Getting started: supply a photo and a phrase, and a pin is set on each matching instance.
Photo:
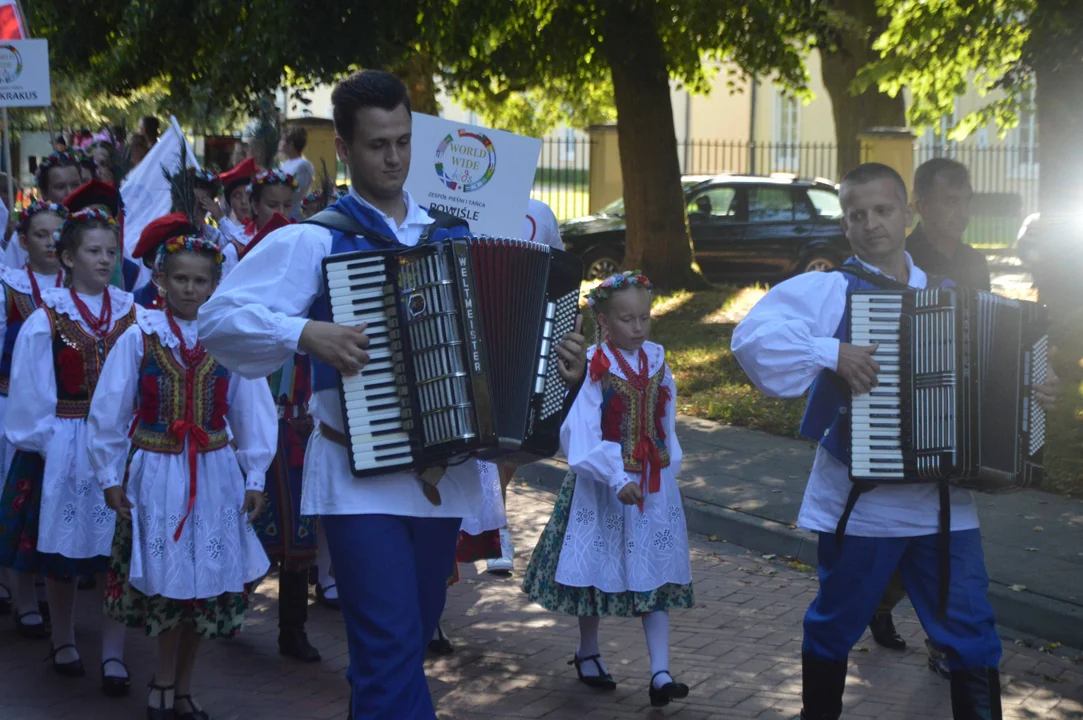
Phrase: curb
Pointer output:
(1021, 611)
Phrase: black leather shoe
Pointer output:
(116, 687)
(441, 644)
(294, 644)
(32, 631)
(975, 694)
(197, 713)
(162, 711)
(884, 633)
(822, 685)
(938, 661)
(660, 697)
(69, 669)
(602, 681)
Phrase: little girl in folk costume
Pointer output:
(184, 549)
(616, 544)
(21, 296)
(59, 523)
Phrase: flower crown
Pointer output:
(273, 177)
(83, 217)
(35, 208)
(620, 281)
(188, 243)
(204, 176)
(56, 159)
(85, 159)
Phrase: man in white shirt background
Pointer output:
(295, 163)
(392, 547)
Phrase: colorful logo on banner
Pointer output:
(11, 64)
(465, 163)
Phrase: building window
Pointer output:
(786, 158)
(1023, 143)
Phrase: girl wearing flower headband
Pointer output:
(271, 192)
(184, 547)
(56, 522)
(21, 296)
(616, 544)
(57, 177)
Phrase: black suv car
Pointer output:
(743, 228)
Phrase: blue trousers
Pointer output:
(391, 574)
(853, 578)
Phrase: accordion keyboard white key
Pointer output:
(376, 421)
(876, 420)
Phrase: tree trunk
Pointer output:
(658, 241)
(417, 73)
(859, 25)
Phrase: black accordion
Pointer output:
(462, 346)
(954, 401)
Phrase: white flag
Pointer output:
(145, 191)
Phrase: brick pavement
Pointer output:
(738, 649)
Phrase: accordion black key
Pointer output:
(954, 399)
(463, 337)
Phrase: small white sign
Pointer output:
(24, 73)
(481, 175)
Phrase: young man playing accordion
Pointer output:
(797, 334)
(391, 546)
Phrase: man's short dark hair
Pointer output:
(954, 172)
(297, 137)
(365, 88)
(871, 172)
(151, 126)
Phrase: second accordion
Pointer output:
(954, 400)
(462, 346)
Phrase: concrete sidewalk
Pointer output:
(746, 487)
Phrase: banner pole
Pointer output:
(10, 165)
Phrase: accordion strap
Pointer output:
(881, 281)
(334, 220)
(858, 489)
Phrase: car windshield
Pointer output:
(616, 208)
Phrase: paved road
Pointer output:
(738, 649)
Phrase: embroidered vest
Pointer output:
(19, 306)
(825, 418)
(624, 417)
(164, 399)
(77, 360)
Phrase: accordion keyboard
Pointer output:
(876, 422)
(377, 414)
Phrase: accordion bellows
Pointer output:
(954, 400)
(463, 361)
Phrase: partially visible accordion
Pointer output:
(463, 361)
(954, 400)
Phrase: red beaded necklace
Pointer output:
(98, 325)
(638, 380)
(34, 290)
(191, 356)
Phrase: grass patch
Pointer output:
(696, 328)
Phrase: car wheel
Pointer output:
(600, 265)
(819, 263)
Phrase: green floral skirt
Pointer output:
(541, 586)
(222, 616)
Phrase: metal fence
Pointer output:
(562, 180)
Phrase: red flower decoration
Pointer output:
(599, 365)
(217, 421)
(72, 375)
(149, 399)
(613, 418)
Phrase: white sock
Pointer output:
(323, 560)
(113, 647)
(26, 598)
(62, 610)
(656, 628)
(588, 645)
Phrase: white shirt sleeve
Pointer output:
(669, 424)
(254, 320)
(254, 421)
(541, 225)
(231, 230)
(581, 439)
(112, 408)
(787, 338)
(33, 387)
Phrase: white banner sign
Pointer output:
(24, 73)
(483, 176)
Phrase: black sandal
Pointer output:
(602, 681)
(321, 597)
(5, 602)
(69, 669)
(660, 697)
(197, 712)
(32, 631)
(116, 687)
(161, 712)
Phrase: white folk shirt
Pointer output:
(783, 344)
(541, 225)
(252, 325)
